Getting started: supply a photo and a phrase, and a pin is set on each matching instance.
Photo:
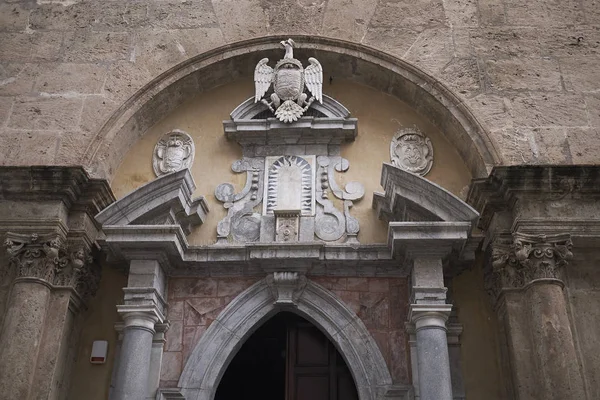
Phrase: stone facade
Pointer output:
(430, 288)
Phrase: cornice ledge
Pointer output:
(501, 189)
(71, 185)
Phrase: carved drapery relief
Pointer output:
(412, 151)
(294, 183)
(173, 152)
(46, 257)
(516, 263)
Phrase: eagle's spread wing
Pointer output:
(313, 77)
(263, 76)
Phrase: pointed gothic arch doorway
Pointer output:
(287, 358)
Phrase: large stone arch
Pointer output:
(343, 59)
(246, 313)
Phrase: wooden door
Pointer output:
(315, 369)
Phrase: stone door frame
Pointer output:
(250, 309)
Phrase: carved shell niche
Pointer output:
(173, 152)
(412, 151)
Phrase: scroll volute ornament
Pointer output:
(412, 151)
(173, 152)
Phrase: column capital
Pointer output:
(47, 257)
(429, 315)
(520, 259)
(140, 316)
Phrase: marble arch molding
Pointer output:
(353, 61)
(219, 344)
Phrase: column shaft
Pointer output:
(21, 337)
(435, 382)
(134, 363)
(553, 343)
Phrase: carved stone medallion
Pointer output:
(173, 152)
(412, 151)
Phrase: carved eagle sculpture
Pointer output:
(288, 100)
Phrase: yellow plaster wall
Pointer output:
(379, 117)
(92, 381)
(480, 341)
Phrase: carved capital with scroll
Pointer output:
(526, 258)
(46, 257)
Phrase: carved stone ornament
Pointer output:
(293, 183)
(45, 257)
(412, 151)
(289, 79)
(173, 152)
(526, 259)
(286, 287)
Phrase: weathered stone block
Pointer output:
(461, 12)
(172, 365)
(88, 46)
(581, 74)
(548, 109)
(24, 47)
(432, 50)
(234, 286)
(159, 51)
(189, 287)
(182, 15)
(45, 113)
(240, 19)
(175, 337)
(395, 41)
(530, 73)
(583, 144)
(415, 15)
(201, 311)
(26, 147)
(348, 20)
(71, 79)
(13, 17)
(502, 41)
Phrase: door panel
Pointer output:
(316, 371)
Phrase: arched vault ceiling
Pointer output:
(340, 60)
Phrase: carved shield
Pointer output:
(289, 80)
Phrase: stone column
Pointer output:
(429, 313)
(144, 308)
(136, 350)
(38, 328)
(525, 282)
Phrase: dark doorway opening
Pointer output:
(287, 358)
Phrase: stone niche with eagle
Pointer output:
(290, 141)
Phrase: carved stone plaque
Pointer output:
(290, 184)
(173, 152)
(412, 151)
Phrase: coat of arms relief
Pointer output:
(291, 161)
(289, 79)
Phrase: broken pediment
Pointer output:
(424, 218)
(167, 200)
